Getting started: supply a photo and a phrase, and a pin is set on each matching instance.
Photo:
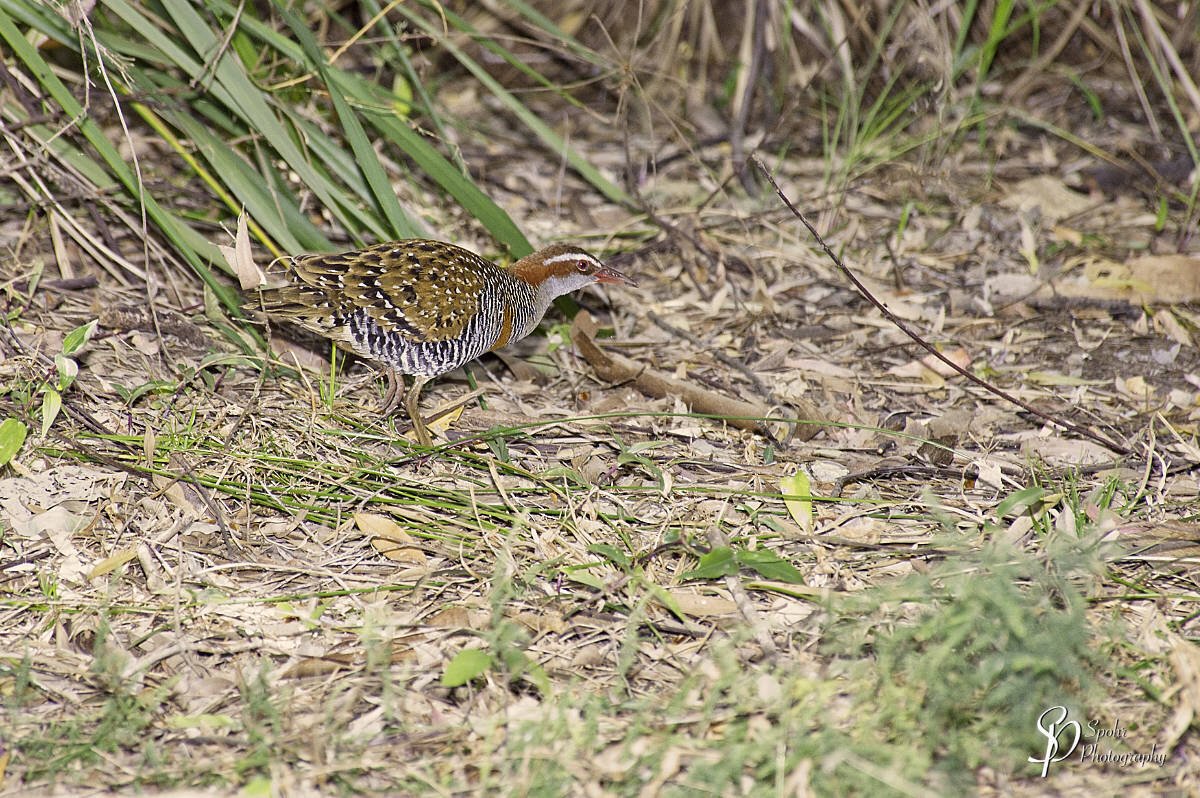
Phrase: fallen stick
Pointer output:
(737, 412)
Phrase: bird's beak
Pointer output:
(608, 274)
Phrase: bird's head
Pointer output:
(562, 268)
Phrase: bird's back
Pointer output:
(419, 306)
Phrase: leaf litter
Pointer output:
(247, 550)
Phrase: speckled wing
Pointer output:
(308, 305)
(422, 290)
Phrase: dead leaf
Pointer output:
(182, 496)
(862, 529)
(1185, 660)
(915, 370)
(1135, 388)
(542, 622)
(1048, 196)
(1170, 540)
(240, 257)
(931, 370)
(1153, 279)
(1169, 324)
(699, 605)
(441, 423)
(112, 562)
(23, 497)
(1064, 451)
(459, 617)
(389, 538)
(958, 356)
(1166, 278)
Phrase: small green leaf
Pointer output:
(586, 579)
(1019, 502)
(664, 597)
(131, 395)
(499, 448)
(12, 436)
(402, 94)
(610, 553)
(67, 370)
(536, 674)
(513, 660)
(558, 336)
(205, 721)
(567, 473)
(718, 562)
(770, 565)
(77, 338)
(466, 665)
(257, 787)
(51, 405)
(798, 499)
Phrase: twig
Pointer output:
(904, 328)
(736, 412)
(754, 39)
(887, 472)
(72, 284)
(733, 363)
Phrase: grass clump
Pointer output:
(952, 667)
(116, 719)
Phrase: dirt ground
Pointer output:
(219, 576)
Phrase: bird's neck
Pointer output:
(529, 303)
(530, 269)
(532, 291)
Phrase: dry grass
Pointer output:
(221, 571)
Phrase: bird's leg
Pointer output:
(411, 402)
(394, 393)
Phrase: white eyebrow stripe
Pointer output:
(566, 256)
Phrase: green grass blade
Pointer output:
(557, 34)
(397, 131)
(276, 212)
(434, 164)
(195, 251)
(364, 154)
(554, 142)
(243, 96)
(395, 52)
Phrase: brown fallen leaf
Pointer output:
(112, 562)
(1165, 278)
(389, 539)
(459, 617)
(741, 414)
(699, 605)
(309, 667)
(541, 622)
(240, 257)
(1171, 541)
(1049, 196)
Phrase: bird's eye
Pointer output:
(583, 266)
